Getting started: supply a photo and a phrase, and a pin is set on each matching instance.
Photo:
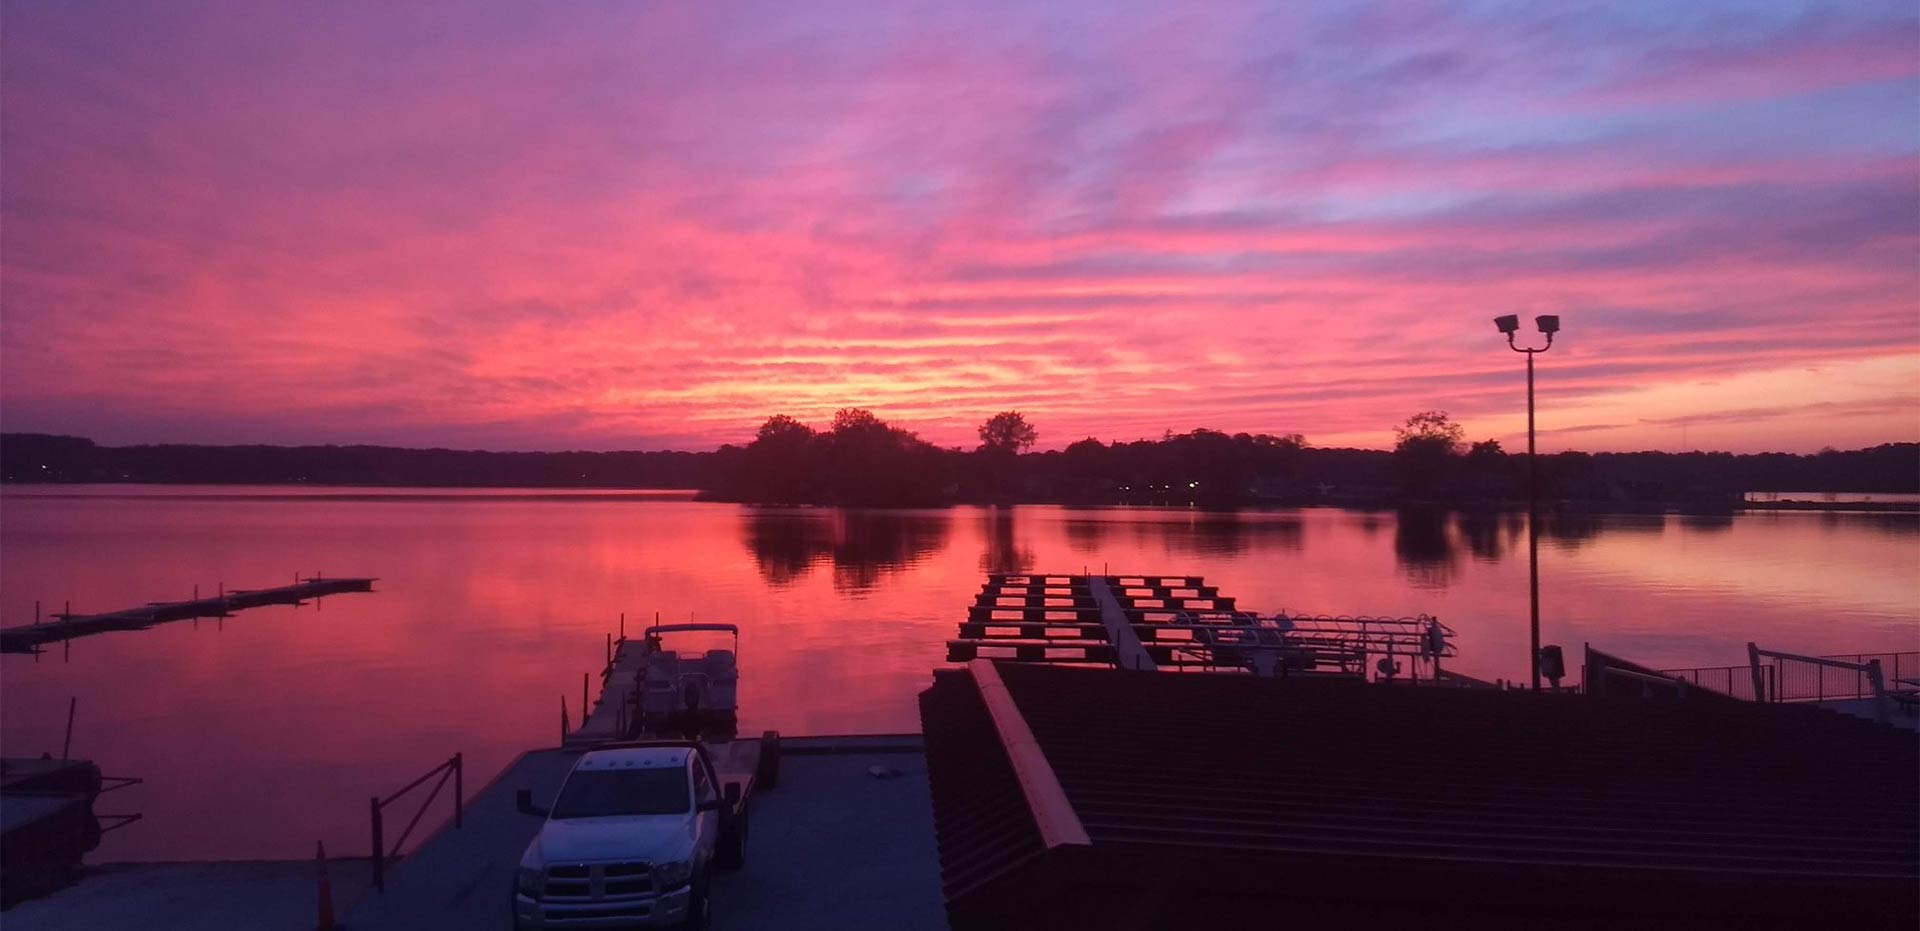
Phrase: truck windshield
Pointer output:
(602, 793)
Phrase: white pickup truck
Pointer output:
(631, 840)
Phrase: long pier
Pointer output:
(28, 637)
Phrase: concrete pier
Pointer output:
(846, 841)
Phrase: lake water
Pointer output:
(262, 733)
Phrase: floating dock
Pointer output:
(1151, 622)
(26, 638)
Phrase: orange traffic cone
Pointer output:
(326, 890)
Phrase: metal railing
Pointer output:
(451, 769)
(1772, 676)
(109, 784)
(1646, 684)
(1834, 682)
(1833, 676)
(1735, 681)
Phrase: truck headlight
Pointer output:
(529, 881)
(671, 874)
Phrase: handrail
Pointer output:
(1723, 679)
(1679, 686)
(1053, 813)
(454, 768)
(1870, 668)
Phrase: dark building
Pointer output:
(1112, 799)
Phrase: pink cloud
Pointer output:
(658, 226)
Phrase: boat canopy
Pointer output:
(657, 629)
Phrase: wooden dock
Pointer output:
(610, 718)
(28, 637)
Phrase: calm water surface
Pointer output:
(270, 730)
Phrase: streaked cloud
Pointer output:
(654, 225)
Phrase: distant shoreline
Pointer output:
(362, 492)
(886, 468)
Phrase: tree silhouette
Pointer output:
(780, 461)
(1003, 437)
(1007, 431)
(1423, 456)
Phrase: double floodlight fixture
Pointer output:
(1510, 324)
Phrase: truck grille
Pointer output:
(591, 882)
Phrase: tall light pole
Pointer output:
(1548, 324)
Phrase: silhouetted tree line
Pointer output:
(30, 457)
(861, 460)
(1432, 463)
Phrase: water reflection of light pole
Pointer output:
(1548, 324)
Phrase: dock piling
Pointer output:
(379, 847)
(564, 726)
(66, 746)
(583, 692)
(324, 919)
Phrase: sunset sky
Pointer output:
(610, 225)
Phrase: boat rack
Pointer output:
(1282, 643)
(1150, 621)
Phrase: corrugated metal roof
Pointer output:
(1339, 779)
(1472, 774)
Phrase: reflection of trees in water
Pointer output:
(1228, 533)
(1898, 525)
(1488, 533)
(861, 545)
(1424, 548)
(1573, 529)
(786, 544)
(1369, 523)
(1707, 523)
(1003, 553)
(1569, 529)
(1085, 536)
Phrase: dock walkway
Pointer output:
(1127, 651)
(26, 638)
(608, 719)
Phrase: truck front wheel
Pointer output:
(730, 852)
(699, 908)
